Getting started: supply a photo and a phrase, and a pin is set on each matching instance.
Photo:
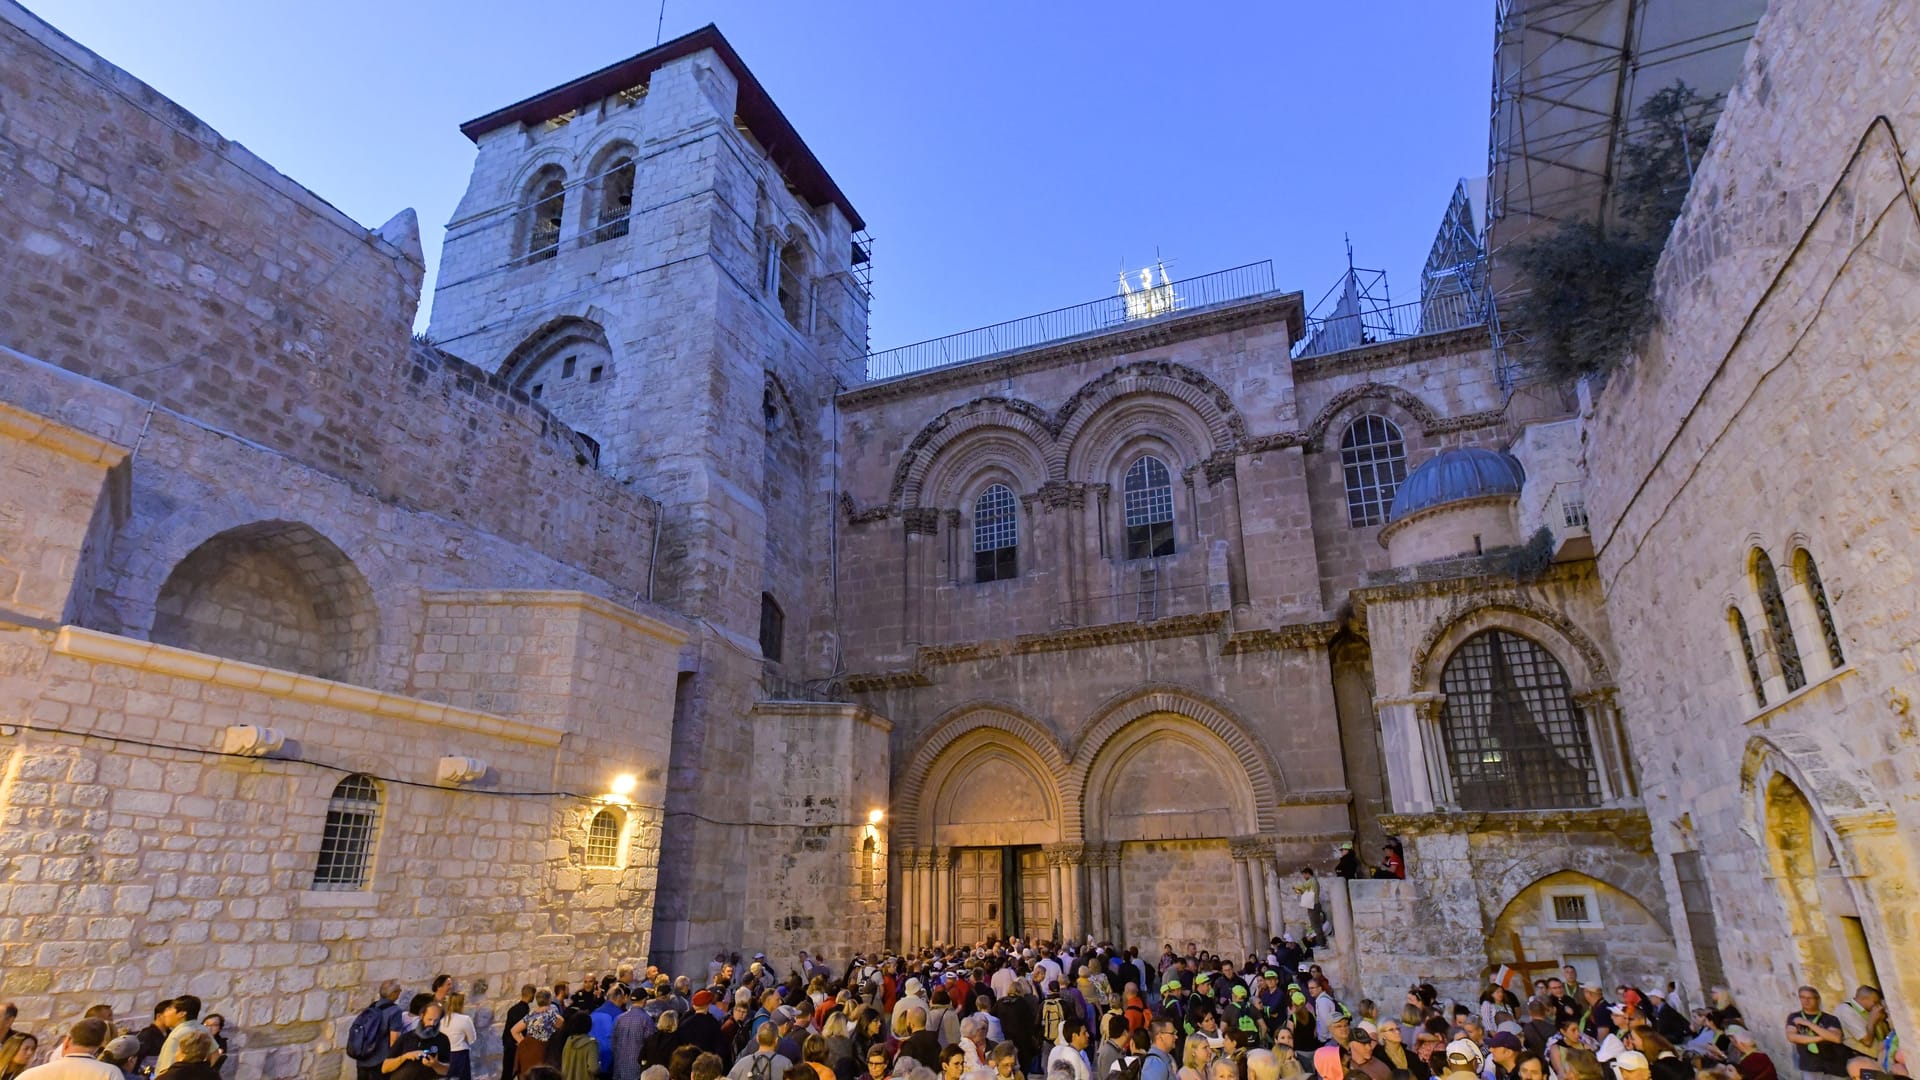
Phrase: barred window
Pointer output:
(1149, 508)
(869, 868)
(1809, 575)
(603, 839)
(616, 199)
(1514, 738)
(346, 843)
(1739, 624)
(996, 535)
(545, 208)
(1778, 628)
(1374, 458)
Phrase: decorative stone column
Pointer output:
(1116, 893)
(922, 544)
(1097, 892)
(1612, 759)
(905, 858)
(1409, 732)
(1250, 858)
(1221, 476)
(1069, 863)
(942, 929)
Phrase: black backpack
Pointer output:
(367, 1036)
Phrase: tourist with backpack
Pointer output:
(374, 1031)
(765, 1063)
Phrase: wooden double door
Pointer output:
(1001, 892)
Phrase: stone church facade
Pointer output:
(638, 613)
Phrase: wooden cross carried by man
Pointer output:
(1521, 969)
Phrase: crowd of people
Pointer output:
(1012, 1010)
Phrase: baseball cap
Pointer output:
(1239, 991)
(124, 1048)
(1203, 977)
(786, 1014)
(1463, 1052)
(1299, 998)
(1631, 1059)
(1503, 1040)
(1270, 973)
(1170, 986)
(913, 987)
(1362, 1037)
(702, 999)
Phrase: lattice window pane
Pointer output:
(1373, 458)
(1514, 739)
(1739, 624)
(1778, 628)
(603, 839)
(1810, 576)
(1148, 503)
(346, 842)
(994, 524)
(1569, 909)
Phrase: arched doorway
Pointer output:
(1823, 918)
(981, 822)
(1170, 803)
(1603, 931)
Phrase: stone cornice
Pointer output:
(1310, 635)
(1079, 637)
(31, 428)
(847, 710)
(643, 622)
(1392, 353)
(869, 682)
(1464, 584)
(1148, 334)
(94, 646)
(1627, 823)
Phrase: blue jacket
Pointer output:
(602, 1032)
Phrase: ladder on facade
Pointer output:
(1149, 595)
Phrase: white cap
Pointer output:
(1463, 1052)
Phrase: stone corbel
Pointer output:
(454, 771)
(247, 740)
(921, 520)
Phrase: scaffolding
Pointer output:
(1568, 78)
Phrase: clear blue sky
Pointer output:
(1008, 157)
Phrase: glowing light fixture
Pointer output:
(624, 784)
(876, 816)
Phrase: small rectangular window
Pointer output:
(1150, 541)
(566, 368)
(996, 564)
(593, 374)
(537, 387)
(1570, 909)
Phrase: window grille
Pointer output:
(1810, 577)
(869, 868)
(1514, 739)
(1570, 908)
(995, 535)
(1149, 509)
(616, 201)
(546, 210)
(1374, 458)
(1778, 628)
(603, 839)
(773, 627)
(1739, 623)
(346, 843)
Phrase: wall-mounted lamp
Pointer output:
(876, 816)
(623, 785)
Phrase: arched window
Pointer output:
(1514, 739)
(1374, 459)
(1778, 628)
(603, 839)
(792, 285)
(346, 843)
(616, 199)
(1809, 576)
(545, 207)
(1149, 509)
(773, 628)
(1739, 624)
(869, 868)
(995, 535)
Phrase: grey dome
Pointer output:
(1468, 472)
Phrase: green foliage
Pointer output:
(1589, 297)
(1531, 559)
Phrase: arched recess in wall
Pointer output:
(611, 176)
(960, 774)
(1021, 426)
(567, 365)
(1585, 664)
(275, 593)
(1398, 404)
(1590, 912)
(1149, 761)
(1834, 857)
(1170, 401)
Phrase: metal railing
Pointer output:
(1371, 326)
(1098, 316)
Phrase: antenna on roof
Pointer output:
(660, 22)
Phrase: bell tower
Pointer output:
(655, 259)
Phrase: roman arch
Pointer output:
(1001, 829)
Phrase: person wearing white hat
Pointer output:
(911, 997)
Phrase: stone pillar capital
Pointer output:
(1251, 848)
(1066, 854)
(1598, 697)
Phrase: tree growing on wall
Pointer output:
(1589, 297)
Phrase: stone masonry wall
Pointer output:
(1764, 412)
